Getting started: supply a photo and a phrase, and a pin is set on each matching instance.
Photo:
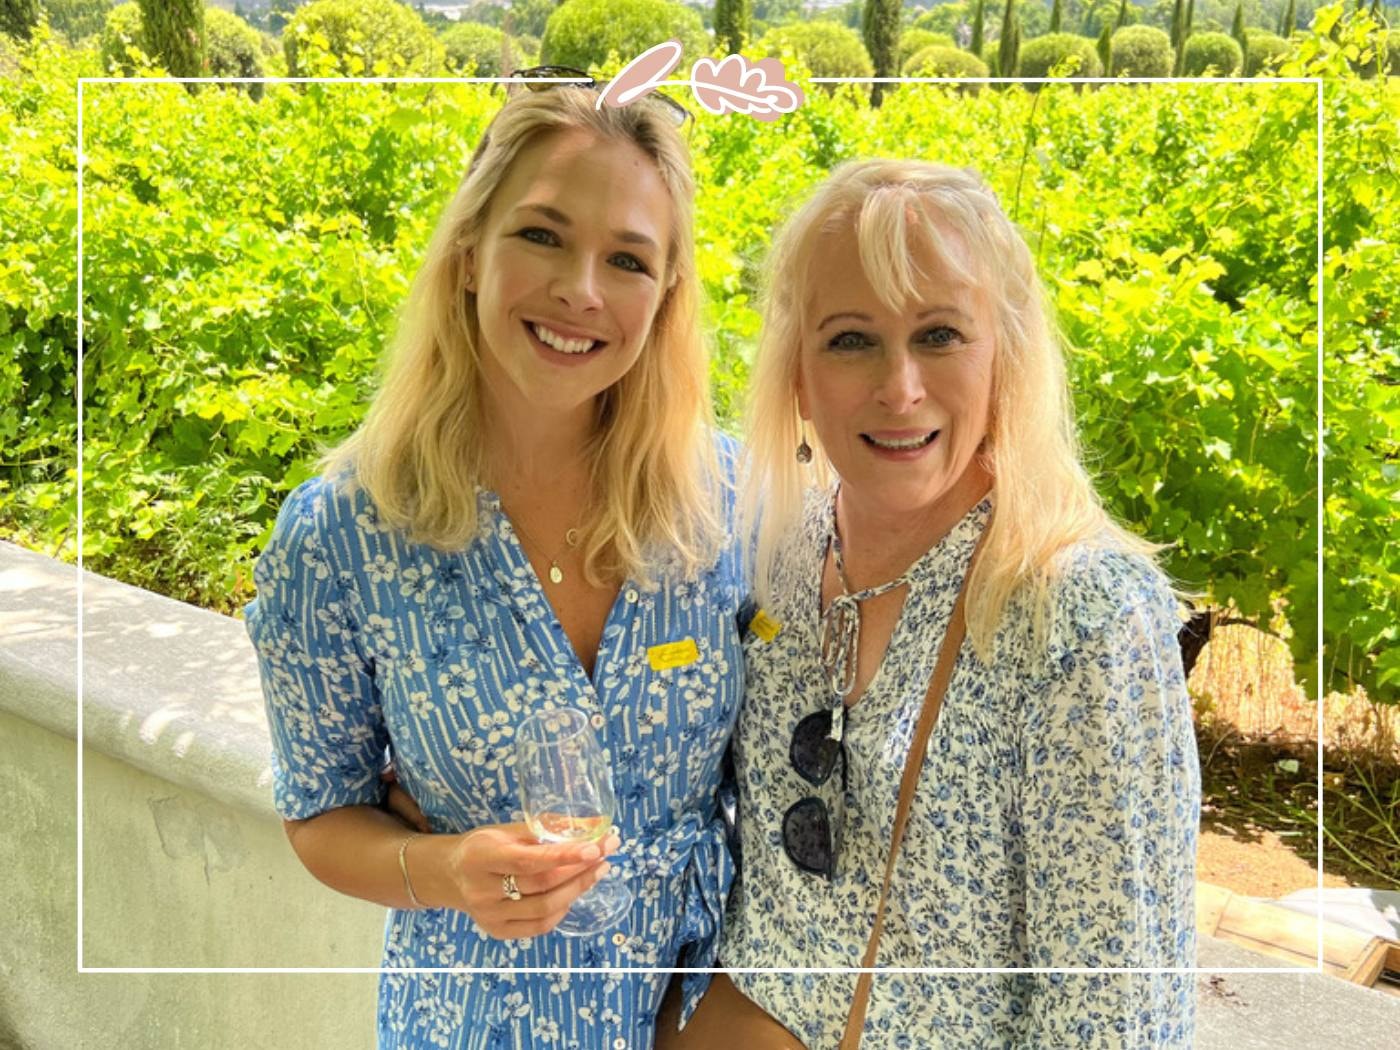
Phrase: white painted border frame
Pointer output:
(81, 159)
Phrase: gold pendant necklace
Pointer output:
(555, 574)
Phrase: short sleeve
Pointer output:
(1109, 806)
(323, 712)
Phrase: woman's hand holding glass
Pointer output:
(549, 876)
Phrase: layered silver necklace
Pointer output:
(841, 630)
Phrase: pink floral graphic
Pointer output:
(735, 85)
(732, 85)
(641, 76)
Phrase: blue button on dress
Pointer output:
(1053, 825)
(367, 640)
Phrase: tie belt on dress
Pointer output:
(697, 847)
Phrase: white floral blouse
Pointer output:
(366, 639)
(1054, 824)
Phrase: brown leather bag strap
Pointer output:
(913, 765)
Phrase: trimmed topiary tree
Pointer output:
(232, 48)
(1264, 52)
(991, 52)
(912, 41)
(825, 48)
(1212, 54)
(1056, 16)
(173, 34)
(1044, 53)
(362, 38)
(1140, 51)
(979, 15)
(582, 33)
(1104, 45)
(939, 61)
(474, 47)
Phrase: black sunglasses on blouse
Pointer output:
(578, 78)
(807, 831)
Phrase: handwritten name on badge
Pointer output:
(764, 625)
(673, 654)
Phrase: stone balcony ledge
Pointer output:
(167, 687)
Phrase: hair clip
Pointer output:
(732, 85)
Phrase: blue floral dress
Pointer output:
(367, 640)
(1054, 824)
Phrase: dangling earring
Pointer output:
(804, 450)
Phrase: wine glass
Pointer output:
(566, 791)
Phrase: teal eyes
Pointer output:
(938, 337)
(848, 341)
(631, 263)
(537, 235)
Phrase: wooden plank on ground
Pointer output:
(1291, 936)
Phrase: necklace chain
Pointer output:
(841, 630)
(555, 574)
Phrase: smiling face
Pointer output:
(900, 399)
(568, 273)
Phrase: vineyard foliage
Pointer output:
(243, 260)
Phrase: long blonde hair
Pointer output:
(421, 451)
(1045, 500)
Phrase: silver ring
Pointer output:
(509, 888)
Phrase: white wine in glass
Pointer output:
(566, 791)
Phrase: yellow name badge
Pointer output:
(673, 654)
(765, 626)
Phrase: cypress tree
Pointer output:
(879, 28)
(1105, 46)
(1188, 13)
(1122, 15)
(978, 17)
(19, 17)
(1178, 16)
(1056, 13)
(1010, 46)
(174, 32)
(1290, 20)
(1237, 31)
(732, 23)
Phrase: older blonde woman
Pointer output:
(909, 407)
(533, 508)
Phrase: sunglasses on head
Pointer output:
(578, 78)
(807, 828)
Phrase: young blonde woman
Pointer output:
(909, 409)
(534, 507)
